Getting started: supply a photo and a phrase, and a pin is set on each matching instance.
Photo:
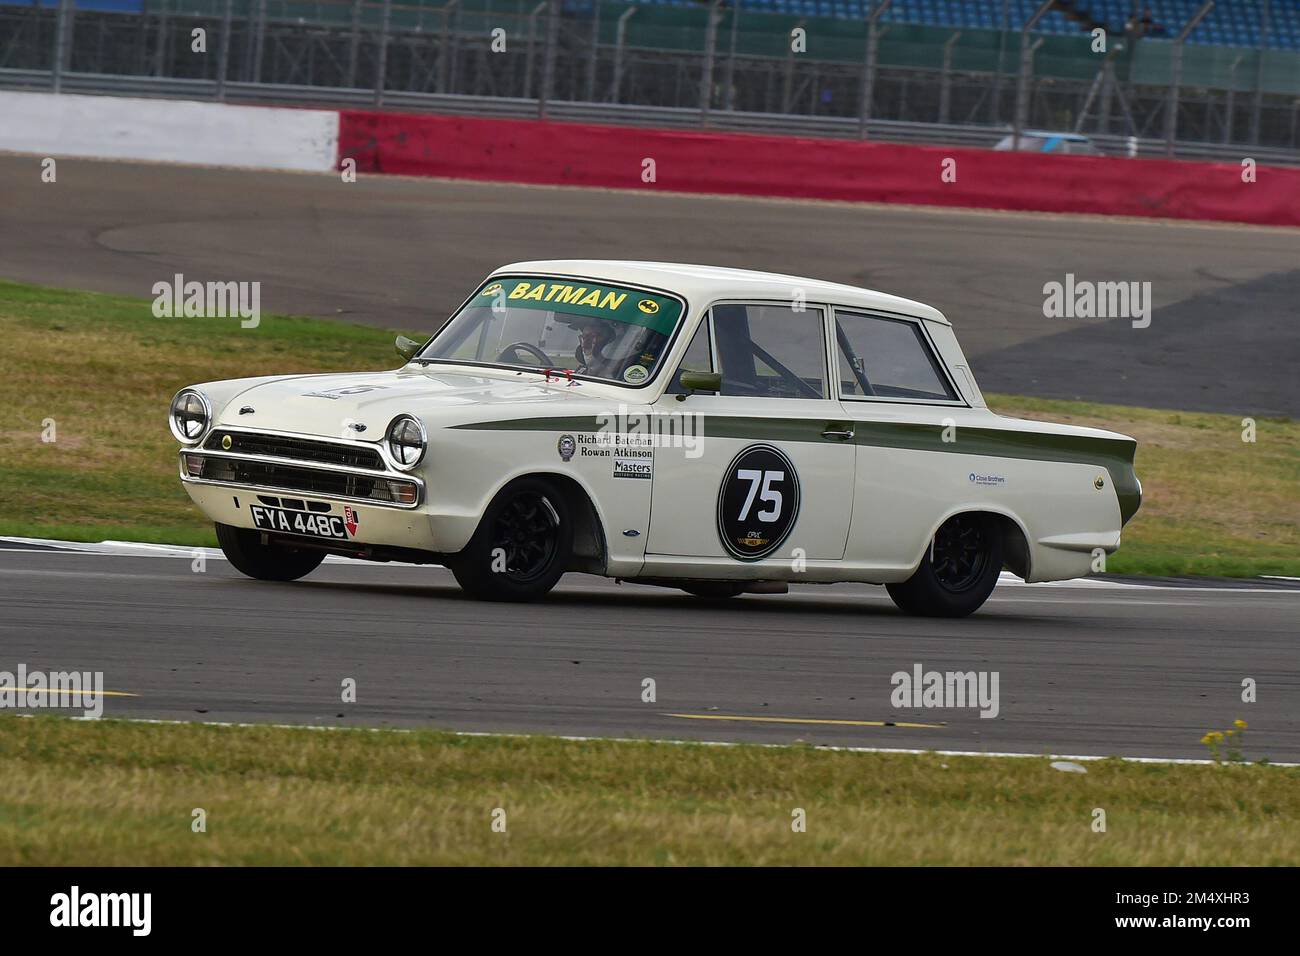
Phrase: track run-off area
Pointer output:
(1094, 668)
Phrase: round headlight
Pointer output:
(406, 441)
(190, 416)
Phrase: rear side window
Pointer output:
(887, 358)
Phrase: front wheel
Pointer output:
(957, 573)
(244, 549)
(521, 547)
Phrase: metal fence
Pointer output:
(716, 65)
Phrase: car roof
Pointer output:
(704, 283)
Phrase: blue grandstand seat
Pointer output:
(1231, 22)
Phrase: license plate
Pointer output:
(300, 522)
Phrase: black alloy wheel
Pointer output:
(528, 532)
(960, 552)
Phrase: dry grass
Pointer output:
(1212, 503)
(106, 793)
(104, 369)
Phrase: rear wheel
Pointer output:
(522, 545)
(244, 549)
(957, 573)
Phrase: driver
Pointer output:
(592, 340)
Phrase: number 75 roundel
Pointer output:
(758, 502)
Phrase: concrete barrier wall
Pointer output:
(578, 154)
(176, 131)
(529, 151)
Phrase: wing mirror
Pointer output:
(406, 348)
(699, 382)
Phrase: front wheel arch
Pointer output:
(590, 550)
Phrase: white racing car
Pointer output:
(715, 430)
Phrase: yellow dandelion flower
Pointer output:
(1239, 724)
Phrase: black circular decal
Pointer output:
(758, 502)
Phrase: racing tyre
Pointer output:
(266, 562)
(958, 571)
(522, 545)
(714, 590)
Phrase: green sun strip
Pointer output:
(1113, 454)
(577, 297)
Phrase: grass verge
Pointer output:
(1212, 503)
(105, 793)
(103, 369)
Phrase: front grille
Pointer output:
(236, 471)
(305, 449)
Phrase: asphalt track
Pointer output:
(401, 252)
(1085, 669)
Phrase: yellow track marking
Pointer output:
(807, 720)
(70, 692)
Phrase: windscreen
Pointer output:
(591, 328)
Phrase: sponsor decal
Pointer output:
(758, 502)
(566, 447)
(585, 298)
(987, 481)
(350, 520)
(611, 444)
(634, 465)
(337, 393)
(635, 374)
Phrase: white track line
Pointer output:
(657, 740)
(135, 549)
(142, 550)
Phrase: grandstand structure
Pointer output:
(1179, 72)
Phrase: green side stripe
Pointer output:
(1113, 454)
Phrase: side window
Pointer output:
(887, 358)
(770, 351)
(698, 358)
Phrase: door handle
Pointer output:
(837, 434)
